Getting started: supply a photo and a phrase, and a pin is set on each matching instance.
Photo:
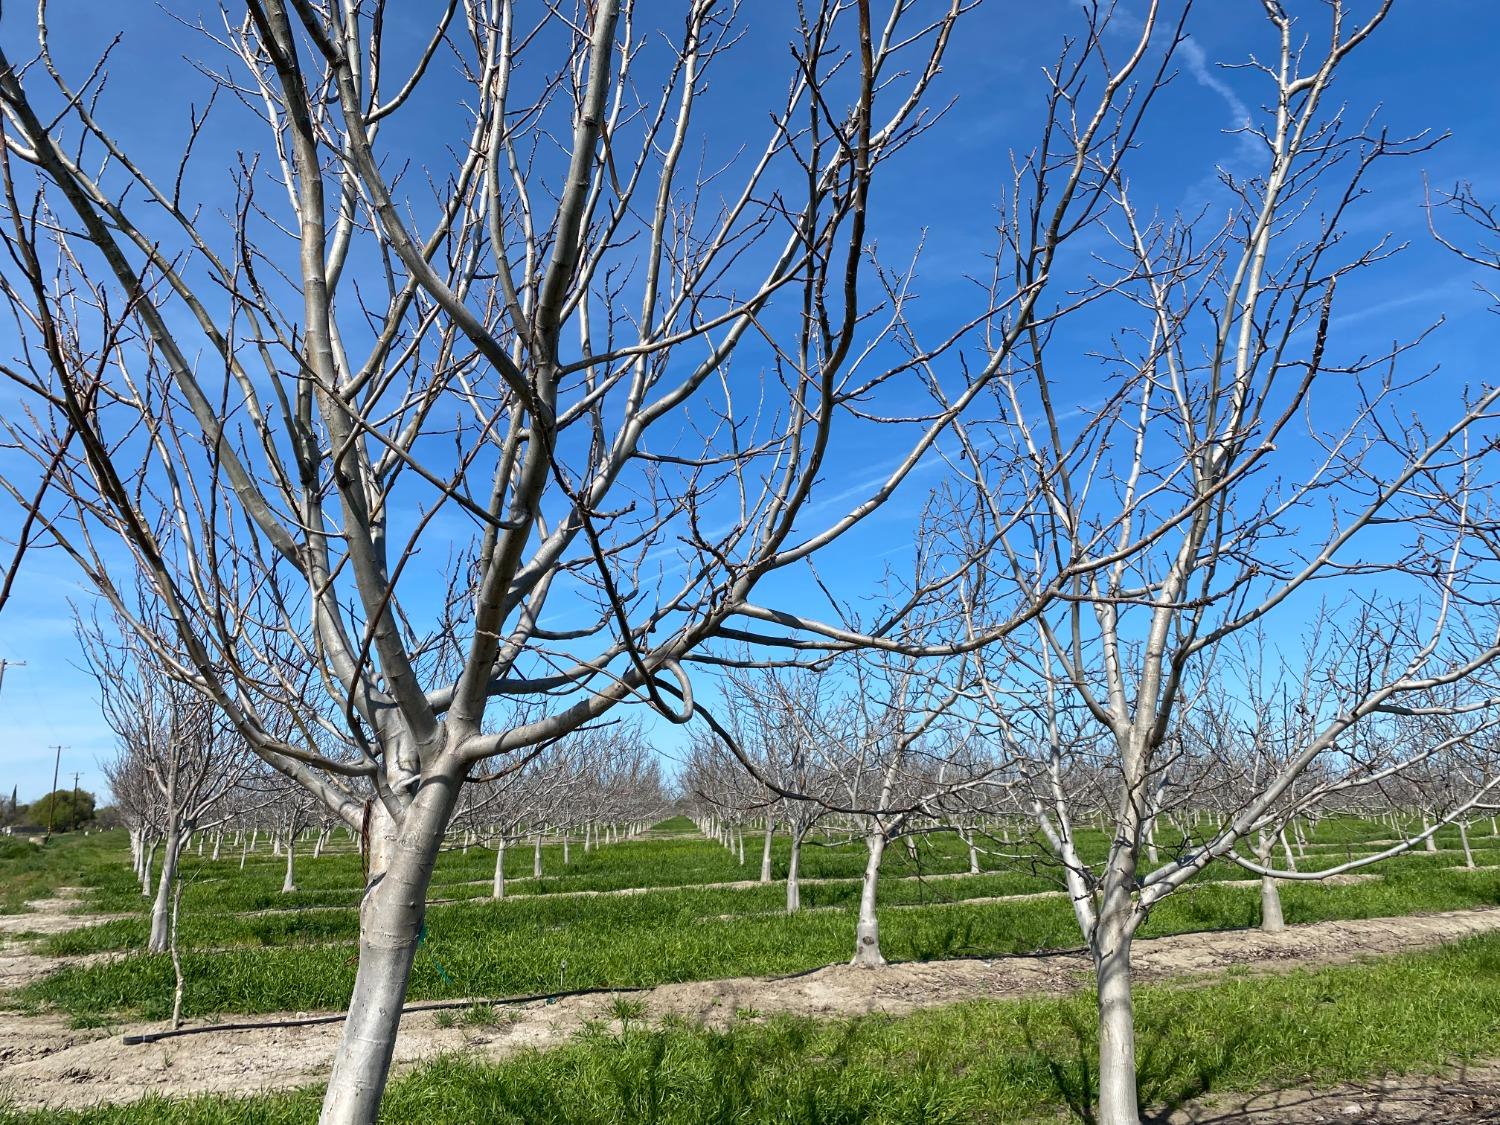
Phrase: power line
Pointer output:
(52, 796)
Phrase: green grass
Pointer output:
(543, 944)
(978, 1063)
(99, 862)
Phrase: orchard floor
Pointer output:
(1461, 1096)
(46, 1063)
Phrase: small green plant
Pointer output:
(445, 1018)
(626, 1008)
(480, 1015)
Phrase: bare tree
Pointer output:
(1242, 456)
(525, 358)
(607, 373)
(178, 757)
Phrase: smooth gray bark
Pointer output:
(765, 852)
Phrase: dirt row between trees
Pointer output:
(18, 964)
(43, 1062)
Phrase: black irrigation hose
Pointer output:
(428, 1006)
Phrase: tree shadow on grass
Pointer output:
(1073, 1078)
(1170, 1072)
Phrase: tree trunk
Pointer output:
(973, 852)
(146, 870)
(161, 908)
(498, 890)
(1271, 919)
(390, 922)
(218, 842)
(765, 852)
(1431, 842)
(867, 932)
(536, 857)
(740, 835)
(1286, 848)
(1117, 1086)
(1463, 838)
(567, 858)
(287, 886)
(793, 876)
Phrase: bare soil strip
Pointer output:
(1461, 1096)
(18, 964)
(42, 1063)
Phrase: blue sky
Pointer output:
(1432, 67)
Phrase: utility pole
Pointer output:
(77, 820)
(52, 796)
(4, 664)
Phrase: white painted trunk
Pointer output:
(536, 857)
(765, 852)
(794, 876)
(244, 851)
(146, 870)
(567, 858)
(1463, 838)
(498, 889)
(1271, 920)
(1117, 1085)
(867, 931)
(740, 836)
(973, 853)
(287, 884)
(1431, 843)
(161, 908)
(218, 843)
(390, 922)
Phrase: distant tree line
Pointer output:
(69, 810)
